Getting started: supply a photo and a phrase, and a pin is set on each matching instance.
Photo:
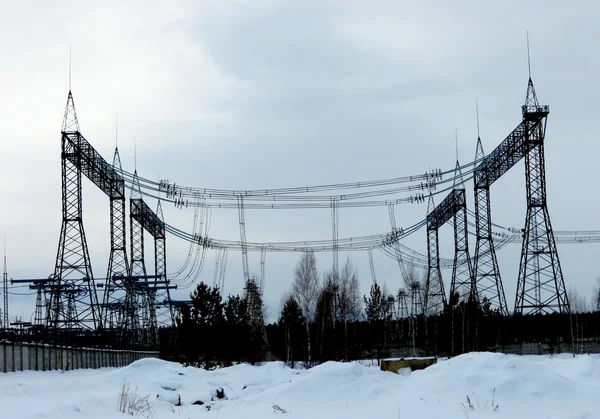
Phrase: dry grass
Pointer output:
(133, 404)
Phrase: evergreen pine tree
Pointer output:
(375, 304)
(292, 320)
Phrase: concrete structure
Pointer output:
(43, 357)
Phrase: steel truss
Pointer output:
(73, 269)
(541, 287)
(118, 264)
(157, 307)
(454, 207)
(487, 274)
(435, 297)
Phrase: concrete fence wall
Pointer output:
(42, 357)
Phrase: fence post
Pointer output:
(2, 357)
(11, 364)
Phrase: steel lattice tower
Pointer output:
(541, 287)
(40, 304)
(402, 312)
(416, 299)
(487, 274)
(435, 297)
(416, 308)
(402, 304)
(72, 259)
(160, 296)
(463, 282)
(118, 264)
(130, 315)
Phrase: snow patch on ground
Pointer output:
(561, 386)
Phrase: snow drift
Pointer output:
(476, 385)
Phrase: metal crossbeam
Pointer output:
(446, 209)
(454, 207)
(143, 214)
(509, 152)
(91, 164)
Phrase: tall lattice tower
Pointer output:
(160, 307)
(435, 297)
(118, 265)
(390, 308)
(416, 299)
(402, 298)
(402, 312)
(73, 267)
(130, 320)
(40, 304)
(541, 287)
(463, 281)
(485, 269)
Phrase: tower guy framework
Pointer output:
(435, 296)
(73, 298)
(73, 302)
(118, 265)
(454, 207)
(486, 270)
(155, 294)
(541, 286)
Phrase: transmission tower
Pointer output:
(130, 321)
(154, 294)
(72, 259)
(416, 299)
(403, 312)
(485, 269)
(160, 290)
(435, 297)
(463, 281)
(118, 265)
(416, 308)
(541, 287)
(40, 304)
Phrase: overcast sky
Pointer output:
(263, 94)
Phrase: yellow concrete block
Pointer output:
(395, 364)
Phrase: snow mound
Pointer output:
(497, 386)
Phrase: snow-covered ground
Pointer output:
(520, 386)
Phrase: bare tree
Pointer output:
(414, 275)
(596, 296)
(578, 304)
(349, 298)
(305, 290)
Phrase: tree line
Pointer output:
(324, 317)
